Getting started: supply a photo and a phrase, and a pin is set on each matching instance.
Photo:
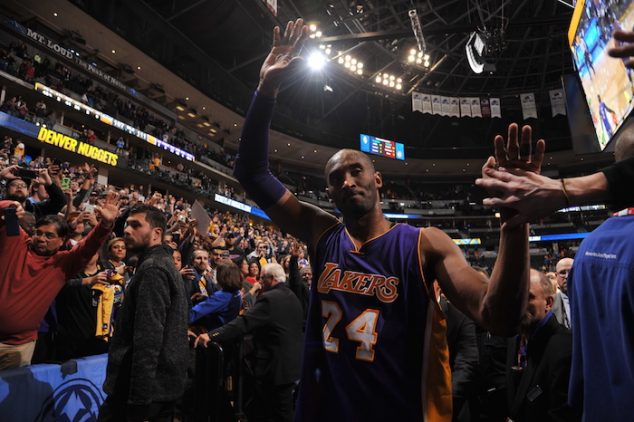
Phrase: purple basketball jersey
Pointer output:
(374, 338)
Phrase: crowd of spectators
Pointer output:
(71, 194)
(19, 60)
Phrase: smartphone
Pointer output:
(89, 207)
(11, 222)
(24, 173)
(65, 182)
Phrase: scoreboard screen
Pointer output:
(382, 147)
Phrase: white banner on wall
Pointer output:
(436, 104)
(475, 107)
(529, 109)
(557, 102)
(465, 107)
(496, 109)
(417, 101)
(454, 107)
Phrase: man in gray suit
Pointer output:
(561, 307)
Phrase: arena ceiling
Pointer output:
(530, 55)
(216, 48)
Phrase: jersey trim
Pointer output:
(357, 250)
(436, 376)
(322, 234)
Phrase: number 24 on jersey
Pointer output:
(362, 330)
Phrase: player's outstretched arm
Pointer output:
(495, 304)
(498, 303)
(303, 221)
(534, 196)
(515, 183)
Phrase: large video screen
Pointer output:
(382, 147)
(606, 82)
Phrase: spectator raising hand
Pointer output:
(109, 211)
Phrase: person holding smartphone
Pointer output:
(18, 190)
(34, 269)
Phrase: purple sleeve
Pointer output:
(252, 162)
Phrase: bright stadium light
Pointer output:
(316, 60)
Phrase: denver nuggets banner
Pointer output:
(43, 393)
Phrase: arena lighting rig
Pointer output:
(484, 40)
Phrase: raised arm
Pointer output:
(302, 220)
(534, 196)
(56, 198)
(498, 303)
(89, 246)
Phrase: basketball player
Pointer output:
(375, 347)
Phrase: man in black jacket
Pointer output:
(149, 352)
(276, 324)
(539, 360)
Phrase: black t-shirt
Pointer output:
(620, 176)
(77, 322)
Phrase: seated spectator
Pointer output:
(224, 304)
(34, 270)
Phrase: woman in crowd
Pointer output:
(285, 262)
(115, 253)
(254, 272)
(244, 267)
(222, 306)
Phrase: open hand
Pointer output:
(283, 55)
(518, 154)
(500, 174)
(109, 211)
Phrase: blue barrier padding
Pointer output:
(68, 392)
